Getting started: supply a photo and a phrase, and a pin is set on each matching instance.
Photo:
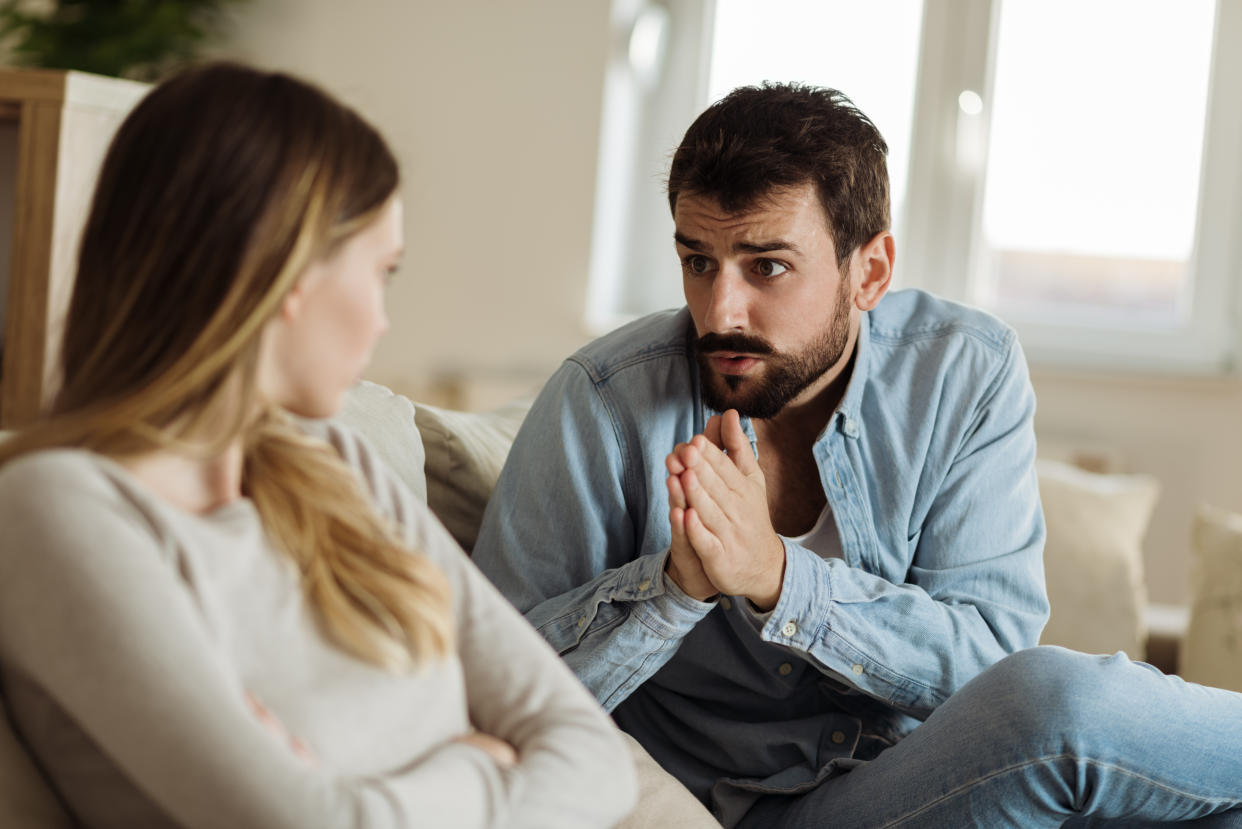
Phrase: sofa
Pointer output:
(1093, 564)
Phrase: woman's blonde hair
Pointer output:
(217, 192)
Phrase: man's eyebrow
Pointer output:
(766, 247)
(740, 247)
(687, 242)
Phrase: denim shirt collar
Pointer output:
(846, 417)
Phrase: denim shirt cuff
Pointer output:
(668, 610)
(805, 604)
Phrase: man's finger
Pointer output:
(673, 463)
(677, 525)
(703, 500)
(704, 541)
(736, 442)
(711, 431)
(676, 497)
(722, 467)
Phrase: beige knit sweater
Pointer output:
(131, 632)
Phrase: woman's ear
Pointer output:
(875, 260)
(291, 305)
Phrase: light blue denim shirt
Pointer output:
(928, 469)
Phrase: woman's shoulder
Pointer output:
(49, 476)
(61, 502)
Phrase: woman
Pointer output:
(210, 615)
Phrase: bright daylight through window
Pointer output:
(1093, 162)
(1071, 165)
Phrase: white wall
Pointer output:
(494, 109)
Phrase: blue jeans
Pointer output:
(1046, 737)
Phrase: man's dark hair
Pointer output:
(760, 138)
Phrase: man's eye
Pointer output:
(697, 264)
(769, 267)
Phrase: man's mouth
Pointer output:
(732, 362)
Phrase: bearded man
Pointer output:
(790, 534)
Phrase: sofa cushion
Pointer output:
(1093, 559)
(25, 797)
(663, 802)
(465, 453)
(1212, 652)
(386, 421)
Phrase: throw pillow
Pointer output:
(386, 421)
(1212, 651)
(465, 453)
(1093, 559)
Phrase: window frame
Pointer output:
(944, 204)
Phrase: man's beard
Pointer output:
(784, 376)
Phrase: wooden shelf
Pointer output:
(63, 123)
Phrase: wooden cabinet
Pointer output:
(54, 130)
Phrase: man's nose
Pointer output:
(729, 301)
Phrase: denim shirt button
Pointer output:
(785, 669)
(857, 669)
(646, 583)
(582, 622)
(790, 628)
(725, 603)
(838, 737)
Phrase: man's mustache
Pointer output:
(709, 343)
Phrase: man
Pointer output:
(777, 530)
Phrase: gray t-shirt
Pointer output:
(131, 633)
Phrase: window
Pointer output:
(817, 43)
(1092, 178)
(1074, 167)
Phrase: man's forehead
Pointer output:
(784, 207)
(729, 204)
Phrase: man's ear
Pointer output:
(875, 264)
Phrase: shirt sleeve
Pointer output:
(92, 612)
(560, 540)
(974, 591)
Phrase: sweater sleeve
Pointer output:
(573, 768)
(94, 613)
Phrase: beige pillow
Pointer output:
(386, 420)
(465, 453)
(663, 802)
(1093, 560)
(1212, 651)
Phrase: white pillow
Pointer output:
(386, 420)
(1212, 651)
(1093, 560)
(465, 453)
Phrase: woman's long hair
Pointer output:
(217, 192)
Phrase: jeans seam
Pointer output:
(1221, 801)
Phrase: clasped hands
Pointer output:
(722, 535)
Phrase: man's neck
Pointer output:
(804, 417)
